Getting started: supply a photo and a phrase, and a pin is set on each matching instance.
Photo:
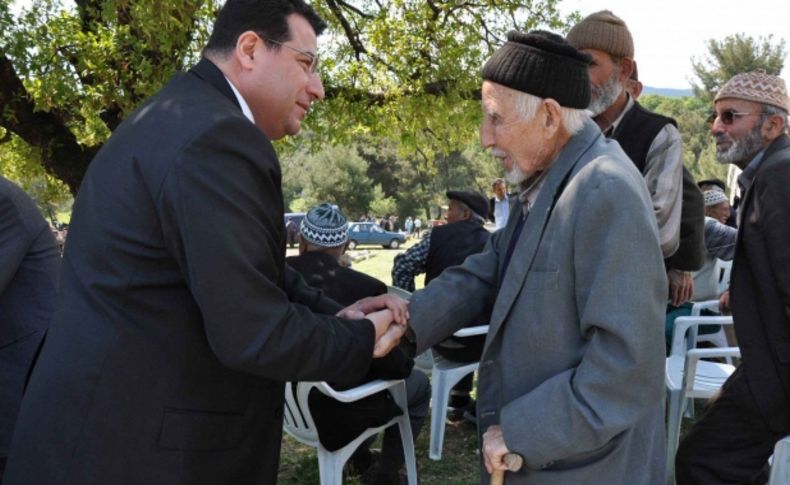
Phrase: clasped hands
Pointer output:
(389, 315)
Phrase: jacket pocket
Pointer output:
(190, 430)
(542, 281)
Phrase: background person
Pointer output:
(323, 239)
(732, 441)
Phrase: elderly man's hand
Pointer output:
(724, 303)
(398, 306)
(681, 286)
(388, 332)
(494, 449)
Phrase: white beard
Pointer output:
(515, 175)
(604, 96)
(741, 150)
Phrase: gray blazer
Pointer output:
(574, 360)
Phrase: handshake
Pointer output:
(389, 315)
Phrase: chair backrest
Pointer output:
(724, 269)
(298, 421)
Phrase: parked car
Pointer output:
(292, 222)
(372, 233)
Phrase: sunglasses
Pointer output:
(728, 116)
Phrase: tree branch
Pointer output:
(61, 155)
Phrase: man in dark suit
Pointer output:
(323, 239)
(29, 260)
(732, 441)
(178, 320)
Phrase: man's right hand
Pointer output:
(388, 332)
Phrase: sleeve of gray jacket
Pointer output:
(620, 291)
(664, 179)
(455, 298)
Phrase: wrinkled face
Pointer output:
(742, 139)
(720, 211)
(279, 87)
(605, 82)
(455, 212)
(518, 143)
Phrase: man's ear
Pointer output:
(626, 67)
(773, 127)
(552, 117)
(245, 48)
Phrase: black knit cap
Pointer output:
(542, 64)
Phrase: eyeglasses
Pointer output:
(728, 116)
(310, 66)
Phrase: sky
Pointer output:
(668, 33)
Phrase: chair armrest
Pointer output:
(356, 393)
(698, 306)
(694, 355)
(470, 331)
(682, 325)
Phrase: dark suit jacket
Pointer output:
(760, 285)
(339, 423)
(29, 260)
(179, 322)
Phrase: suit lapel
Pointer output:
(209, 72)
(529, 240)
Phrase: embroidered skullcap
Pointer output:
(756, 86)
(542, 64)
(603, 31)
(713, 197)
(325, 226)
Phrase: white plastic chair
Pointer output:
(688, 376)
(780, 463)
(718, 339)
(446, 374)
(298, 422)
(725, 270)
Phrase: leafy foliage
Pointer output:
(736, 54)
(405, 70)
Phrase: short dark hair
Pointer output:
(269, 18)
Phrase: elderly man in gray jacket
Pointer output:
(571, 377)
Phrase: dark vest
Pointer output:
(451, 244)
(636, 133)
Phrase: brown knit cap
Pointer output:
(603, 31)
(756, 86)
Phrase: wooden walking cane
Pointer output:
(514, 463)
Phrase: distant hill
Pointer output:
(670, 92)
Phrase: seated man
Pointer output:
(719, 244)
(446, 246)
(322, 241)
